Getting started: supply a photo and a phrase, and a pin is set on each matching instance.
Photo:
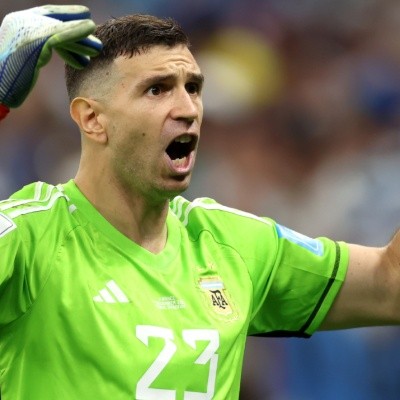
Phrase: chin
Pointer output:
(177, 187)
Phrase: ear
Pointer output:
(87, 115)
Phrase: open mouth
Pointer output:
(180, 148)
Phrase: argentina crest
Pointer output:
(217, 297)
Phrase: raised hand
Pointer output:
(27, 39)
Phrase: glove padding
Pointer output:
(26, 41)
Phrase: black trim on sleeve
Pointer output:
(301, 333)
(325, 292)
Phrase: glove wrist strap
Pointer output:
(4, 110)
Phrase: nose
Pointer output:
(186, 106)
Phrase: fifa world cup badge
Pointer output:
(214, 288)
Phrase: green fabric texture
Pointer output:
(88, 314)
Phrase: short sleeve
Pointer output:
(303, 284)
(14, 294)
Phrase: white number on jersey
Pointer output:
(190, 336)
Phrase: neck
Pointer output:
(142, 221)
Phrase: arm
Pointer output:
(370, 295)
(27, 39)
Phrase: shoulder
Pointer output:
(34, 208)
(206, 207)
(223, 221)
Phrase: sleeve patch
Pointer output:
(6, 225)
(313, 245)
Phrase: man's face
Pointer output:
(152, 118)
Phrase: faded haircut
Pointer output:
(125, 36)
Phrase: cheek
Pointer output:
(133, 150)
(126, 161)
(132, 138)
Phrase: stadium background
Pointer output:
(302, 103)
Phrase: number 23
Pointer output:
(190, 336)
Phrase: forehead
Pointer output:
(176, 60)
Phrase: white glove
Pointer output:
(26, 41)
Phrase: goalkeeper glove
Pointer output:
(26, 41)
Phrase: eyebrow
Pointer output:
(191, 77)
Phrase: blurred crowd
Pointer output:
(302, 124)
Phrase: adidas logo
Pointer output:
(112, 293)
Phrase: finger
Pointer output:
(64, 12)
(89, 46)
(21, 28)
(75, 60)
(72, 31)
(92, 42)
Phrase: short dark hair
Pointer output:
(129, 35)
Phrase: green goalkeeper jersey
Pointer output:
(85, 313)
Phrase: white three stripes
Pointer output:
(112, 293)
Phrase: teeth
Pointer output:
(179, 162)
(183, 139)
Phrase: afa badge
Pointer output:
(214, 289)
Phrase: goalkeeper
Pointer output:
(112, 285)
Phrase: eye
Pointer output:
(193, 88)
(155, 90)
